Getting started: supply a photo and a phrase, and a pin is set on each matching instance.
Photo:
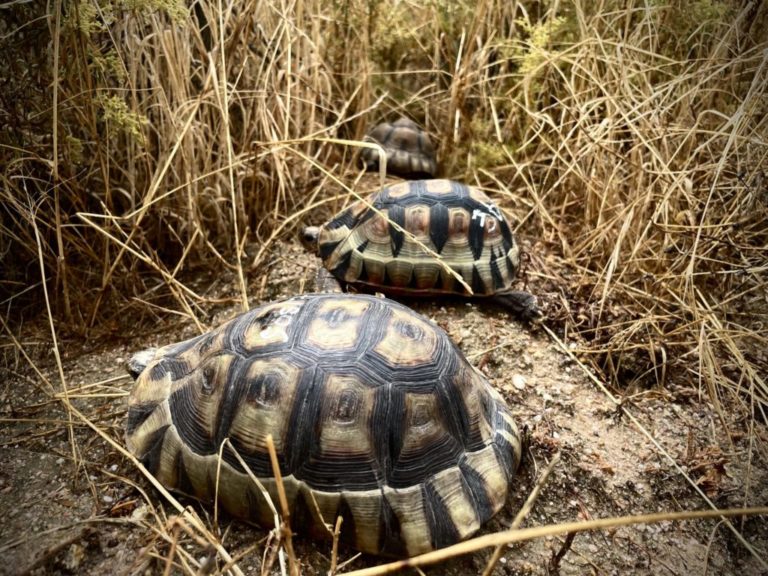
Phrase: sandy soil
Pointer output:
(101, 516)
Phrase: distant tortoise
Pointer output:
(376, 417)
(409, 150)
(471, 235)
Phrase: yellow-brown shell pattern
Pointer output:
(458, 222)
(410, 153)
(375, 414)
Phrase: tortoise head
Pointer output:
(135, 366)
(309, 236)
(369, 157)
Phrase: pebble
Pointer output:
(140, 513)
(107, 499)
(518, 381)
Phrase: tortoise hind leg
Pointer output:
(522, 304)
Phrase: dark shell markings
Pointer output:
(376, 416)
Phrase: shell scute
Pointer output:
(407, 341)
(374, 412)
(273, 326)
(393, 246)
(336, 325)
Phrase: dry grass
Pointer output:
(630, 140)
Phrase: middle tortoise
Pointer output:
(375, 413)
(380, 244)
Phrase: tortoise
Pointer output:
(409, 150)
(376, 416)
(446, 224)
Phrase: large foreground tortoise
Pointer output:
(408, 149)
(376, 416)
(403, 240)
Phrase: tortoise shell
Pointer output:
(458, 223)
(409, 150)
(376, 416)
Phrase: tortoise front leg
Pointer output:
(327, 283)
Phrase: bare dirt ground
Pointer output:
(96, 514)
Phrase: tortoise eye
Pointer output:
(309, 234)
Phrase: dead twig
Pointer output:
(554, 563)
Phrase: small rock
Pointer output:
(140, 513)
(518, 381)
(107, 499)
